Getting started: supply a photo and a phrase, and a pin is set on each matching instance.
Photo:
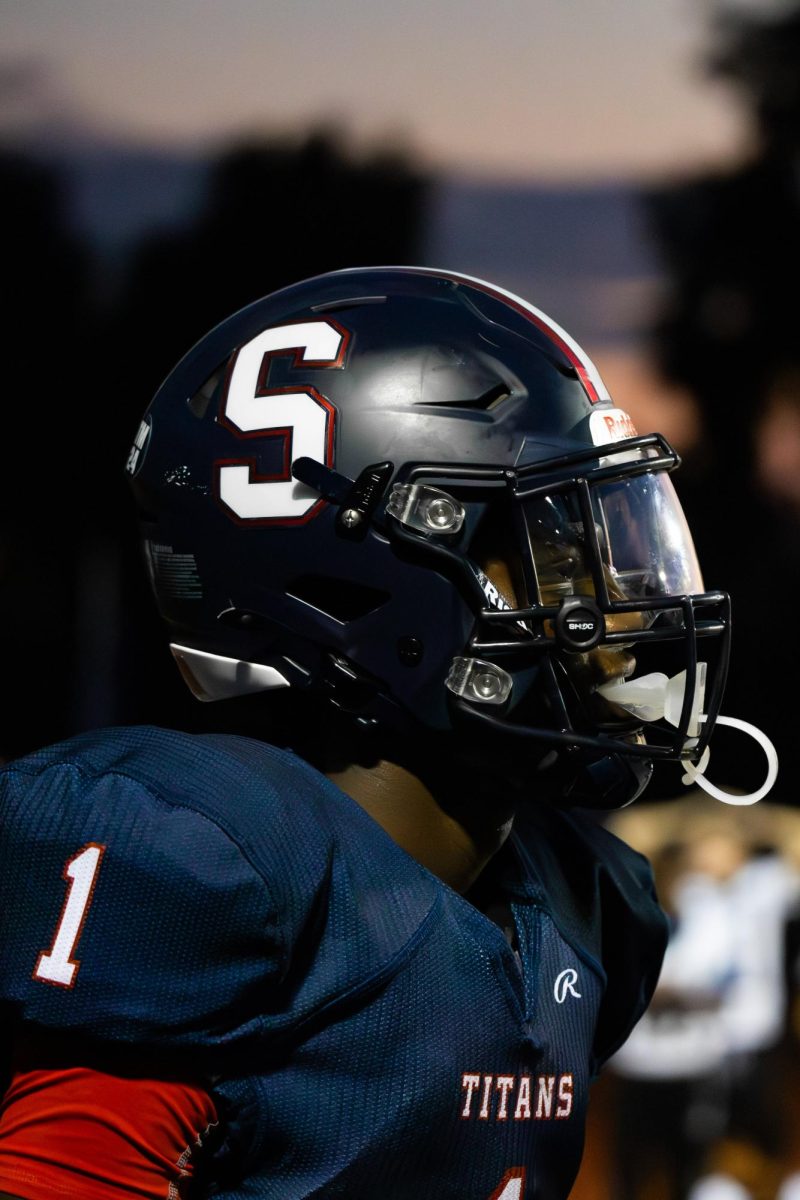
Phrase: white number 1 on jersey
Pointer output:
(57, 965)
(511, 1186)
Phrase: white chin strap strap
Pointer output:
(650, 698)
(694, 774)
(653, 697)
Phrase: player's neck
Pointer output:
(454, 847)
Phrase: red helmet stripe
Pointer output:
(585, 369)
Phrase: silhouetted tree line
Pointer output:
(81, 642)
(728, 330)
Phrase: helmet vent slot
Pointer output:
(350, 302)
(199, 402)
(484, 403)
(341, 599)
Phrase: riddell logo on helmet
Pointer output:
(610, 425)
(496, 599)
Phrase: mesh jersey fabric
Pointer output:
(363, 1029)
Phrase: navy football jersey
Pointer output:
(216, 905)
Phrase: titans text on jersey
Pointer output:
(541, 1097)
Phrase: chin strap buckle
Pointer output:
(356, 500)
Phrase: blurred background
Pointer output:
(632, 168)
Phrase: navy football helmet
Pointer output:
(408, 490)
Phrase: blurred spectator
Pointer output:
(701, 1083)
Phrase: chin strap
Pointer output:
(695, 774)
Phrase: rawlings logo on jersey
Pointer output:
(566, 985)
(517, 1097)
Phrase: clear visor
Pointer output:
(644, 543)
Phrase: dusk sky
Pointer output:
(482, 93)
(509, 89)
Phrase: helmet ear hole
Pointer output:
(341, 599)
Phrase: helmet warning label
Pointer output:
(173, 575)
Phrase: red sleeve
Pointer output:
(76, 1133)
